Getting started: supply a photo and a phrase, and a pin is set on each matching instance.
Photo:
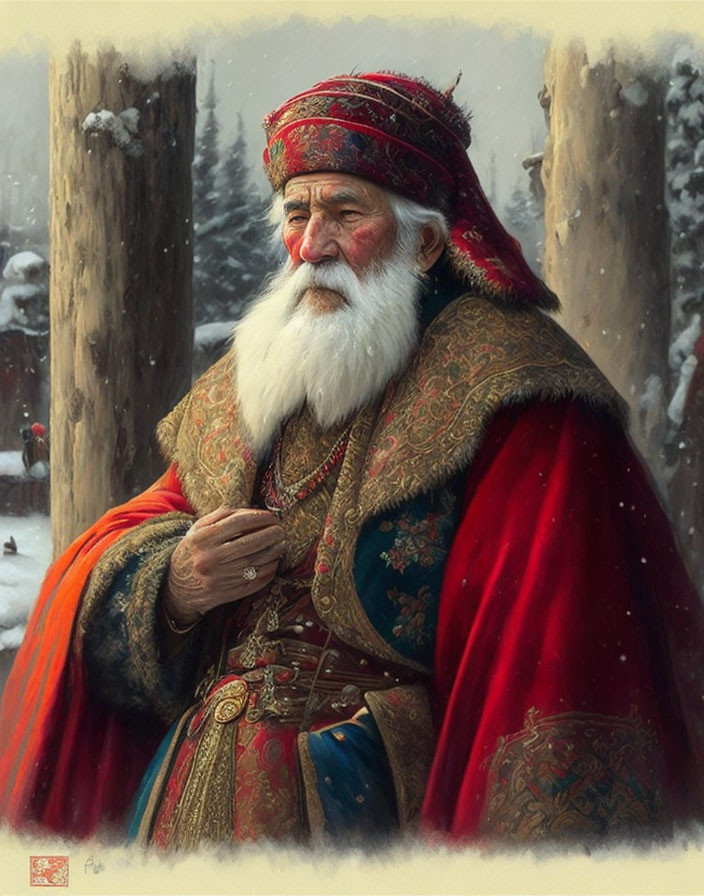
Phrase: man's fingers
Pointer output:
(216, 561)
(251, 543)
(213, 517)
(232, 561)
(225, 524)
(245, 520)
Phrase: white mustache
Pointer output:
(288, 355)
(334, 275)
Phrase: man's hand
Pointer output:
(207, 568)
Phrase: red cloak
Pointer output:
(67, 762)
(565, 608)
(567, 621)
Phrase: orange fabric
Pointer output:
(563, 591)
(56, 744)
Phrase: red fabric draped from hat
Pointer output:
(410, 138)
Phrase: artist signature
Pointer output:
(94, 865)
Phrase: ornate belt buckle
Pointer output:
(230, 701)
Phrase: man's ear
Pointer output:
(432, 242)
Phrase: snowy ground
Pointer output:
(10, 465)
(21, 574)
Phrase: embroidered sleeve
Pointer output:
(118, 624)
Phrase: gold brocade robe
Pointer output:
(474, 358)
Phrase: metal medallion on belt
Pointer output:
(231, 701)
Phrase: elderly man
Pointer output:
(404, 569)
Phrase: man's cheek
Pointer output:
(366, 245)
(292, 242)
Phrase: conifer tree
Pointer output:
(524, 217)
(231, 233)
(205, 203)
(243, 232)
(685, 202)
(205, 161)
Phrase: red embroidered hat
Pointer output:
(410, 138)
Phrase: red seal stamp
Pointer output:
(48, 871)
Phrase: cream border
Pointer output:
(670, 870)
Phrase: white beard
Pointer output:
(337, 361)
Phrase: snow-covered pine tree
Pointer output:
(205, 205)
(685, 201)
(523, 215)
(232, 254)
(205, 160)
(242, 229)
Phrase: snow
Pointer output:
(21, 291)
(130, 119)
(635, 94)
(679, 151)
(683, 345)
(680, 180)
(122, 128)
(11, 463)
(157, 61)
(696, 89)
(651, 403)
(235, 265)
(699, 153)
(11, 299)
(215, 224)
(209, 334)
(675, 410)
(21, 574)
(683, 54)
(10, 312)
(693, 113)
(534, 158)
(7, 310)
(23, 265)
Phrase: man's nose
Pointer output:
(318, 243)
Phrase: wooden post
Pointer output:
(607, 243)
(121, 265)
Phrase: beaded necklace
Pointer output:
(279, 497)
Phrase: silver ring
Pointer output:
(249, 573)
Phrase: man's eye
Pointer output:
(349, 213)
(296, 219)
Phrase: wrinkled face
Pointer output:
(336, 217)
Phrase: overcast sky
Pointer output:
(258, 67)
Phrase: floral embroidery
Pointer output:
(420, 540)
(573, 774)
(410, 622)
